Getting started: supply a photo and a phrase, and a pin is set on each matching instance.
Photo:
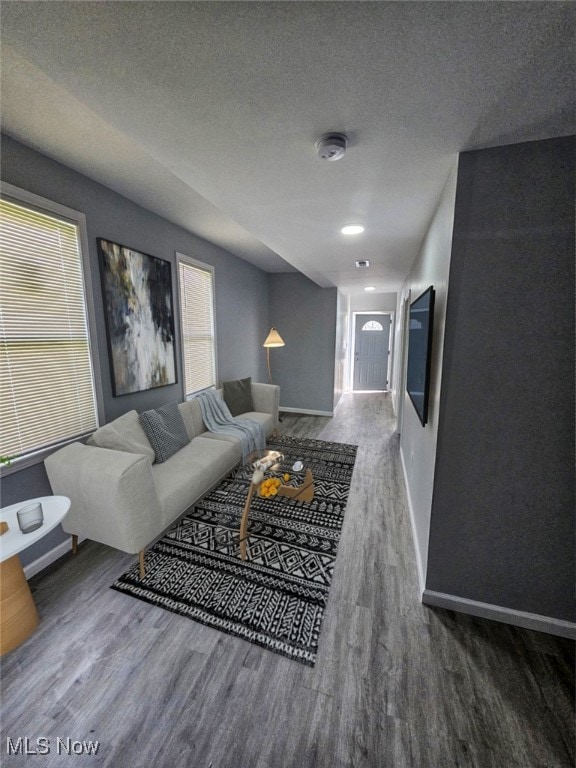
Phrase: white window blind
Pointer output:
(196, 286)
(46, 382)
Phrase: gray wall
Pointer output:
(374, 302)
(241, 292)
(305, 316)
(502, 528)
(417, 443)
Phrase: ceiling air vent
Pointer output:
(363, 264)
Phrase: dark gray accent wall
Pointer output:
(503, 525)
(305, 316)
(241, 292)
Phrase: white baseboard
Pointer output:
(419, 561)
(523, 619)
(48, 558)
(306, 411)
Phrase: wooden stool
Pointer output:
(18, 614)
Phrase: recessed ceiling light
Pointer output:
(352, 229)
(370, 288)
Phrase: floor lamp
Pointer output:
(272, 340)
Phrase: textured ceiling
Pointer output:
(207, 112)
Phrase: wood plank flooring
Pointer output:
(396, 684)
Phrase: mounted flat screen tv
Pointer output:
(419, 352)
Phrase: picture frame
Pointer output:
(139, 311)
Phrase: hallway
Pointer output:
(396, 685)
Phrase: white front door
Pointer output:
(371, 352)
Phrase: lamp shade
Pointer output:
(273, 339)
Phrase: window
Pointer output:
(196, 288)
(47, 393)
(372, 325)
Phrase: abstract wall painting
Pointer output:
(137, 290)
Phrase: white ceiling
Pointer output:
(207, 112)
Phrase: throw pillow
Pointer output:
(238, 396)
(123, 434)
(166, 430)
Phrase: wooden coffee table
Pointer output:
(18, 614)
(302, 492)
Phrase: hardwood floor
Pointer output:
(396, 684)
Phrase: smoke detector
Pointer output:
(331, 146)
(362, 264)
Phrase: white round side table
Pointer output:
(18, 614)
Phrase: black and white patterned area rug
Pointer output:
(277, 596)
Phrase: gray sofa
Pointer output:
(121, 498)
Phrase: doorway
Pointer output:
(371, 352)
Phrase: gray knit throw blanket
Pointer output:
(217, 418)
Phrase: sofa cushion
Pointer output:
(123, 434)
(238, 395)
(191, 473)
(166, 430)
(193, 416)
(188, 416)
